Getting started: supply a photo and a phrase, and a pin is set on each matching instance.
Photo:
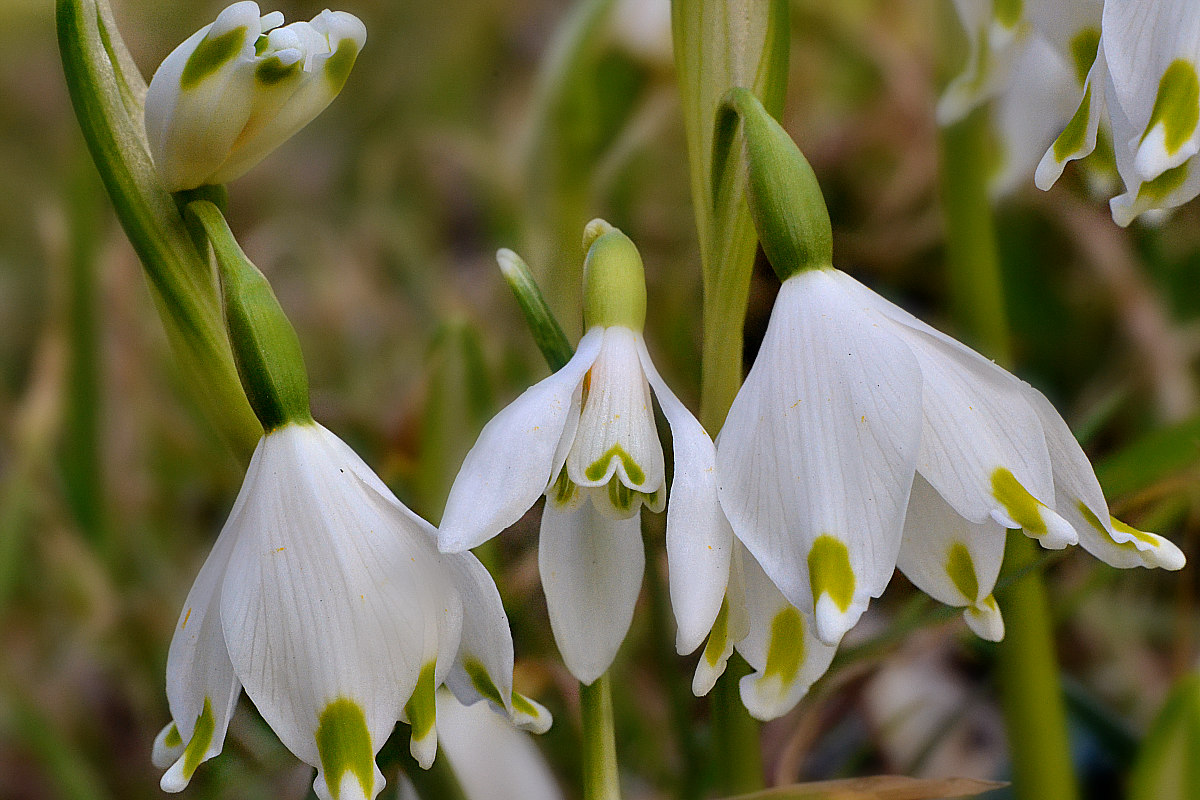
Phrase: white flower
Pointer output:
(864, 439)
(238, 88)
(585, 437)
(326, 599)
(1143, 88)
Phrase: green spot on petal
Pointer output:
(785, 652)
(715, 648)
(829, 571)
(210, 55)
(201, 739)
(260, 44)
(523, 705)
(421, 708)
(961, 569)
(1074, 136)
(1083, 52)
(273, 71)
(563, 491)
(338, 65)
(1161, 187)
(1007, 12)
(1022, 507)
(482, 682)
(1117, 525)
(172, 739)
(1177, 105)
(632, 470)
(344, 745)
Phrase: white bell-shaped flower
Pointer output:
(328, 602)
(240, 87)
(1144, 89)
(864, 439)
(585, 437)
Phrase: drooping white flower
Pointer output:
(864, 439)
(238, 88)
(585, 437)
(328, 602)
(1144, 89)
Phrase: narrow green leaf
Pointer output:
(107, 93)
(1168, 762)
(548, 334)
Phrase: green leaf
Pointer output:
(548, 334)
(108, 94)
(720, 45)
(1168, 762)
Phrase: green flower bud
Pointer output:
(784, 198)
(614, 282)
(265, 346)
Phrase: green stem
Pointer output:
(1027, 667)
(735, 734)
(600, 780)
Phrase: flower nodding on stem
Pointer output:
(782, 192)
(265, 346)
(614, 282)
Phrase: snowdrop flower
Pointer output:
(585, 437)
(238, 88)
(1143, 88)
(324, 597)
(863, 439)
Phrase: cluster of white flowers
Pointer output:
(862, 440)
(1075, 76)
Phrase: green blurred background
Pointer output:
(469, 125)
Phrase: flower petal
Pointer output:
(202, 689)
(591, 569)
(1078, 139)
(329, 46)
(201, 96)
(1081, 501)
(332, 611)
(730, 627)
(1153, 50)
(954, 561)
(491, 759)
(982, 445)
(616, 436)
(782, 647)
(483, 668)
(819, 449)
(699, 539)
(510, 465)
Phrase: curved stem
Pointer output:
(1027, 666)
(600, 781)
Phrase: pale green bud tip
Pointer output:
(785, 200)
(265, 346)
(614, 282)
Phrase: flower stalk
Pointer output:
(600, 780)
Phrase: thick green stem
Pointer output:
(1027, 666)
(735, 734)
(600, 780)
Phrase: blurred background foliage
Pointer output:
(473, 124)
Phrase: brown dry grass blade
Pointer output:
(879, 787)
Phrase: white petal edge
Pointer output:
(699, 539)
(510, 465)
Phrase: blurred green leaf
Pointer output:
(1168, 762)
